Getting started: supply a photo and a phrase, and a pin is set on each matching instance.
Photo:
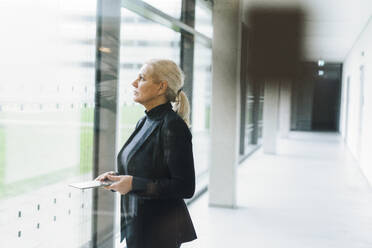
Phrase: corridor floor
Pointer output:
(311, 195)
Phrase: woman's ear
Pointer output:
(163, 87)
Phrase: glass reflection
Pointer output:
(46, 121)
(140, 45)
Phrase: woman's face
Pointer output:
(145, 90)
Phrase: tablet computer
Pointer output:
(90, 184)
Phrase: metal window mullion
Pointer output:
(187, 49)
(105, 117)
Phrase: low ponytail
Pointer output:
(181, 105)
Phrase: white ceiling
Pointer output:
(331, 26)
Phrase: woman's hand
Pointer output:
(104, 176)
(122, 184)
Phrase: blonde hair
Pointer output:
(167, 70)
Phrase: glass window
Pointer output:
(203, 18)
(201, 106)
(46, 121)
(172, 8)
(139, 45)
(260, 112)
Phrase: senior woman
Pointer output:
(156, 165)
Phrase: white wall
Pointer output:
(359, 133)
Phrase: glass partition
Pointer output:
(201, 107)
(203, 18)
(46, 121)
(47, 105)
(138, 46)
(249, 118)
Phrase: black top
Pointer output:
(159, 157)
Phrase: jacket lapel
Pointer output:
(138, 127)
(153, 126)
(133, 134)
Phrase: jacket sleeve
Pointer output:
(178, 158)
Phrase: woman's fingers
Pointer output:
(113, 186)
(109, 187)
(121, 184)
(114, 178)
(103, 176)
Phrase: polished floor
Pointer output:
(311, 195)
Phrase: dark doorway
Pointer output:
(326, 103)
(316, 97)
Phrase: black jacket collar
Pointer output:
(158, 111)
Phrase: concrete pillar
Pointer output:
(285, 108)
(225, 103)
(270, 117)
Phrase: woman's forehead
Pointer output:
(146, 69)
